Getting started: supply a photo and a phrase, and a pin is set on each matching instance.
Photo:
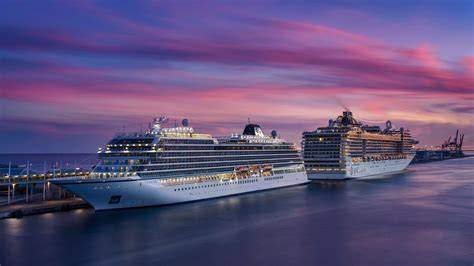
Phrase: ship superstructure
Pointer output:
(176, 164)
(348, 149)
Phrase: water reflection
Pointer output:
(420, 217)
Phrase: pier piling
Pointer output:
(44, 190)
(26, 191)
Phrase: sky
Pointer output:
(74, 73)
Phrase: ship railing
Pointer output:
(40, 178)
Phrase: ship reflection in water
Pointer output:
(420, 217)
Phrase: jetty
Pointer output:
(28, 184)
(25, 192)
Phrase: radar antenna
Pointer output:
(157, 122)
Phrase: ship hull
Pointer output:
(132, 193)
(372, 169)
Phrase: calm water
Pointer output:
(424, 216)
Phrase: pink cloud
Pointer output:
(468, 63)
(272, 70)
(426, 55)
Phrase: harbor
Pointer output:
(262, 199)
(427, 208)
(27, 191)
(33, 194)
(24, 195)
(279, 133)
(449, 149)
(25, 187)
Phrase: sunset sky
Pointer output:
(73, 73)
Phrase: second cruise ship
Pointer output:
(175, 164)
(348, 149)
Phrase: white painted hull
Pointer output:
(365, 169)
(150, 192)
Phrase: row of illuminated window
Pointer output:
(133, 154)
(218, 153)
(317, 152)
(131, 141)
(217, 164)
(186, 141)
(215, 185)
(175, 160)
(204, 170)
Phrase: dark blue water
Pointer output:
(424, 216)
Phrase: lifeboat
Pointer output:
(267, 167)
(255, 168)
(241, 168)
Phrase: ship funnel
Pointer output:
(274, 134)
(253, 130)
(347, 113)
(346, 118)
(185, 122)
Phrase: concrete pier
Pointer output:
(34, 194)
(20, 210)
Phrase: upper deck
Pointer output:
(347, 126)
(346, 139)
(162, 149)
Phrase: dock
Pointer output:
(26, 185)
(33, 193)
(24, 209)
(447, 150)
(424, 156)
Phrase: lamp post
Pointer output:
(27, 180)
(13, 191)
(9, 183)
(9, 180)
(44, 181)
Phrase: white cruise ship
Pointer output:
(348, 149)
(173, 165)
